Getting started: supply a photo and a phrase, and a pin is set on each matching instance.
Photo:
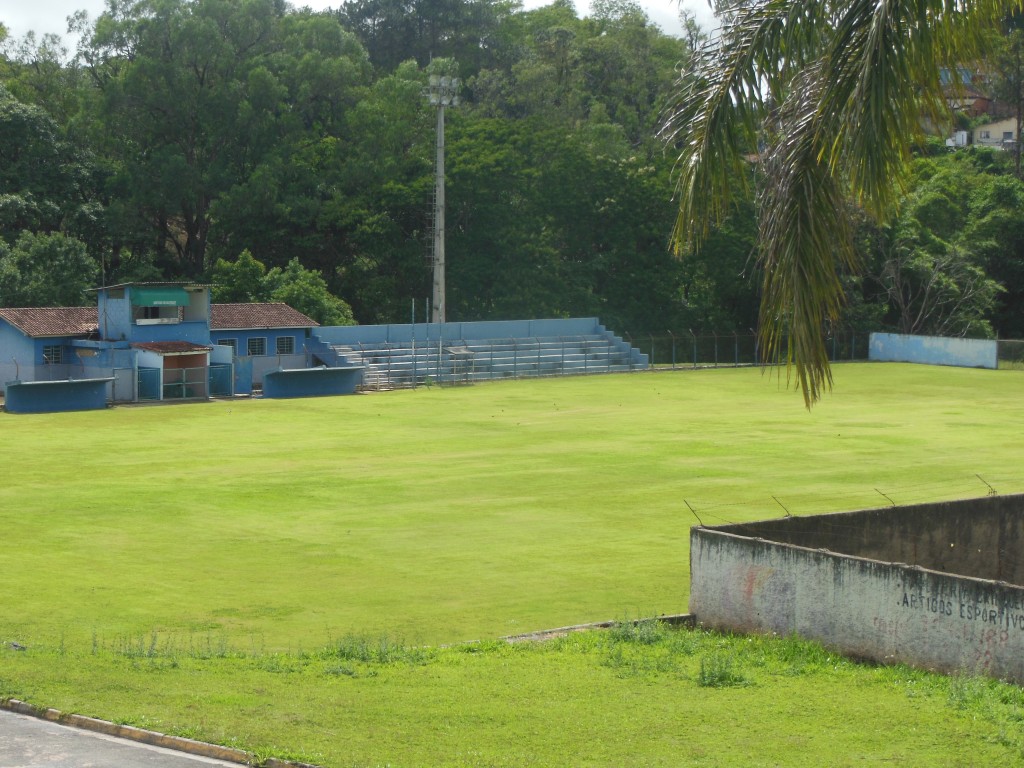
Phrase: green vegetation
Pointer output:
(280, 574)
(830, 96)
(304, 141)
(621, 697)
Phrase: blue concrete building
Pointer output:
(167, 341)
(146, 342)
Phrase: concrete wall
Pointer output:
(982, 537)
(55, 396)
(312, 382)
(932, 350)
(870, 598)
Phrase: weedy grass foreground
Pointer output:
(640, 693)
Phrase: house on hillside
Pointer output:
(154, 342)
(1001, 134)
(965, 89)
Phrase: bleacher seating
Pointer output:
(451, 361)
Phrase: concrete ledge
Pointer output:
(677, 619)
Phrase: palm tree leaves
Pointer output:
(829, 96)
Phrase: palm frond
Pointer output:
(845, 84)
(805, 241)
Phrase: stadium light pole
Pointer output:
(442, 92)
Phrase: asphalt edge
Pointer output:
(143, 736)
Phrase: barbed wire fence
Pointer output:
(795, 503)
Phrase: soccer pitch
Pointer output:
(272, 529)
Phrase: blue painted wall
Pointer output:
(18, 354)
(56, 396)
(242, 337)
(497, 329)
(933, 350)
(116, 319)
(312, 382)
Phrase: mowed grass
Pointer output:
(196, 568)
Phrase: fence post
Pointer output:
(757, 356)
(673, 337)
(715, 335)
(736, 346)
(694, 346)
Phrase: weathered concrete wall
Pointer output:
(932, 350)
(982, 537)
(923, 584)
(882, 611)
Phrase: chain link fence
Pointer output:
(1010, 353)
(687, 349)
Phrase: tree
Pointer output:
(239, 281)
(306, 290)
(45, 270)
(829, 96)
(1008, 81)
(246, 279)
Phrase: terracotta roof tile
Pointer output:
(170, 347)
(269, 315)
(52, 321)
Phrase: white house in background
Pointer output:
(1001, 134)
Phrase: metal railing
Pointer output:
(457, 361)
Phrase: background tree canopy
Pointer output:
(287, 155)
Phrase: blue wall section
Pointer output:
(933, 350)
(271, 335)
(54, 396)
(497, 329)
(311, 382)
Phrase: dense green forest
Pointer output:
(283, 154)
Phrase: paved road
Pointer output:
(27, 742)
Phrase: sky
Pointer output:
(50, 16)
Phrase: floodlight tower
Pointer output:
(443, 92)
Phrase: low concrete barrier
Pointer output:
(933, 350)
(784, 576)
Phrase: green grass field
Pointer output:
(209, 569)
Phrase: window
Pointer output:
(285, 345)
(985, 135)
(53, 354)
(1007, 135)
(257, 346)
(157, 315)
(233, 343)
